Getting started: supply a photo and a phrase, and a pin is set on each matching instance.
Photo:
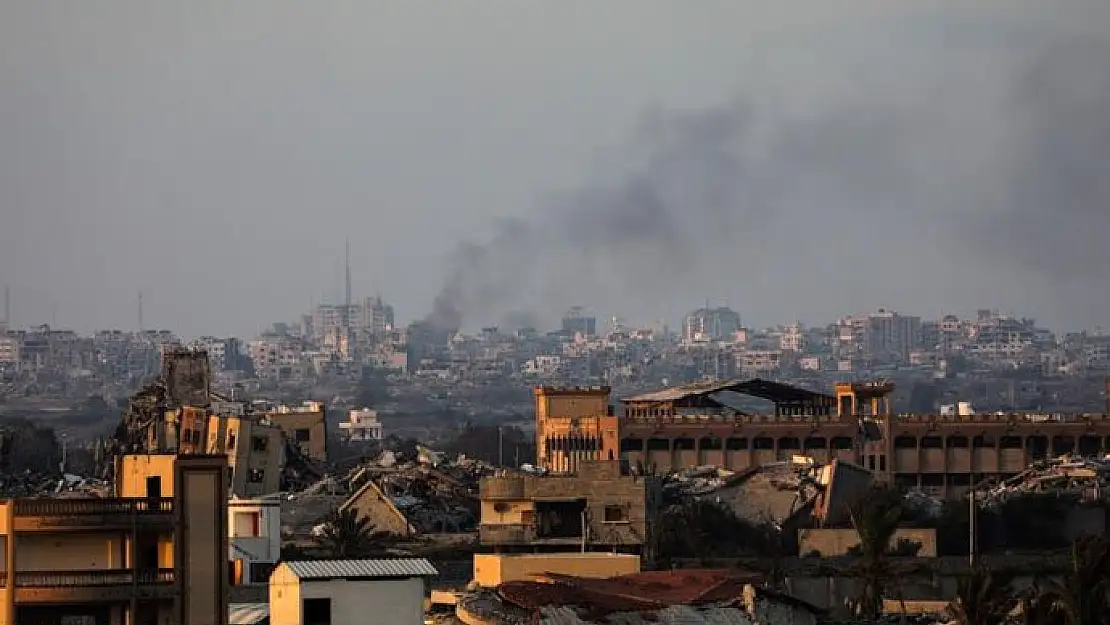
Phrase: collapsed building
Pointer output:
(179, 413)
(705, 424)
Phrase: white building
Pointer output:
(362, 425)
(254, 532)
(367, 592)
(9, 349)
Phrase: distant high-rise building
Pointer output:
(576, 321)
(710, 324)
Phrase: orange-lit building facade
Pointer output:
(942, 454)
(574, 425)
(155, 554)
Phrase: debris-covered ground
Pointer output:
(1086, 478)
(436, 495)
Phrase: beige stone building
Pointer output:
(595, 508)
(156, 553)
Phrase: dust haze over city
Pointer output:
(618, 311)
(497, 164)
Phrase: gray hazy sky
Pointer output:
(797, 160)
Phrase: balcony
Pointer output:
(93, 586)
(74, 514)
(506, 534)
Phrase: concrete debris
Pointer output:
(1087, 479)
(434, 494)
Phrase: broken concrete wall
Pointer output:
(187, 376)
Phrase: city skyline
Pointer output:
(795, 163)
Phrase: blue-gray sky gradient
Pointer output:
(795, 160)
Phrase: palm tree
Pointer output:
(346, 535)
(1083, 595)
(982, 598)
(876, 518)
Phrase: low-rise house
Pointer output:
(368, 592)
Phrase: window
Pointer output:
(258, 443)
(614, 514)
(256, 476)
(248, 524)
(231, 441)
(317, 611)
(303, 435)
(260, 572)
(154, 486)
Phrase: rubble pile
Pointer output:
(436, 495)
(1088, 479)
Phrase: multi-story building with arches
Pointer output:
(696, 425)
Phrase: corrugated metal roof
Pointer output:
(327, 569)
(247, 613)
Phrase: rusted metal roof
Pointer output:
(642, 592)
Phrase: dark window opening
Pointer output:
(905, 442)
(258, 443)
(148, 557)
(231, 441)
(1037, 446)
(684, 444)
(1010, 442)
(658, 444)
(317, 611)
(983, 442)
(763, 442)
(882, 462)
(614, 514)
(560, 519)
(1062, 445)
(957, 441)
(789, 443)
(931, 442)
(303, 435)
(632, 444)
(260, 572)
(736, 444)
(959, 479)
(932, 480)
(816, 442)
(1089, 445)
(710, 443)
(842, 442)
(256, 476)
(906, 480)
(154, 487)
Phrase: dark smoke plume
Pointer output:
(1019, 173)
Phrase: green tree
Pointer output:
(346, 535)
(1082, 596)
(704, 530)
(982, 598)
(875, 517)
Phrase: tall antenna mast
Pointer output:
(7, 306)
(141, 311)
(347, 261)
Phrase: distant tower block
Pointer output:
(854, 398)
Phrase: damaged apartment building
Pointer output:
(581, 512)
(178, 413)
